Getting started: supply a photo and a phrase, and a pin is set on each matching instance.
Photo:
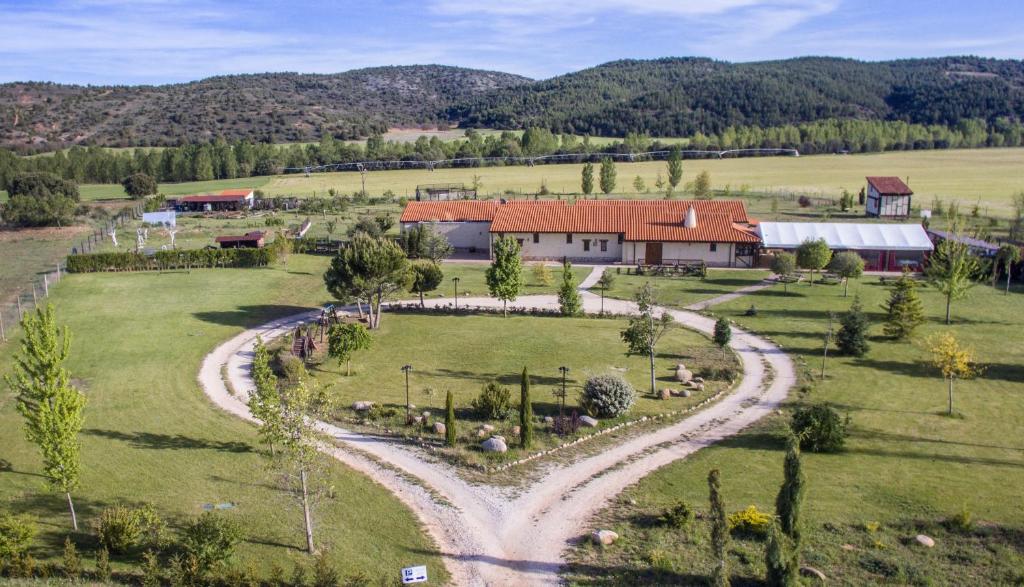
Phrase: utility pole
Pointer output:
(408, 412)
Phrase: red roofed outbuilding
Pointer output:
(230, 200)
(887, 197)
(249, 240)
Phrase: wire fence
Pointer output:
(27, 299)
(95, 238)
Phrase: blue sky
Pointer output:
(160, 41)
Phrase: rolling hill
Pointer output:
(664, 97)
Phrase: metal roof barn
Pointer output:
(845, 236)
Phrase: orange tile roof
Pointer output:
(889, 185)
(450, 211)
(636, 220)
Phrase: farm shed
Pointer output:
(977, 246)
(250, 240)
(466, 223)
(887, 197)
(884, 247)
(227, 200)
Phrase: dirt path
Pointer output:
(702, 305)
(498, 536)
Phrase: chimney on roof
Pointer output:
(691, 218)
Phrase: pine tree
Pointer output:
(103, 572)
(569, 300)
(852, 336)
(719, 531)
(449, 419)
(525, 412)
(904, 311)
(587, 182)
(723, 332)
(72, 562)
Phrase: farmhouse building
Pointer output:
(227, 200)
(249, 240)
(887, 197)
(884, 247)
(636, 232)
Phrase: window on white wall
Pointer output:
(536, 237)
(714, 247)
(604, 246)
(586, 244)
(568, 238)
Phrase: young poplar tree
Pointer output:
(505, 275)
(449, 419)
(301, 406)
(951, 270)
(265, 399)
(953, 360)
(607, 178)
(675, 168)
(719, 530)
(604, 284)
(344, 340)
(587, 180)
(51, 406)
(525, 412)
(644, 330)
(1008, 254)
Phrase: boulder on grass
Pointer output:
(588, 422)
(487, 428)
(604, 537)
(362, 406)
(494, 444)
(516, 430)
(699, 387)
(684, 375)
(426, 415)
(698, 379)
(439, 428)
(666, 393)
(684, 392)
(926, 541)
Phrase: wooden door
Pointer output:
(652, 256)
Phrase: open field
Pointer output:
(906, 466)
(106, 191)
(151, 436)
(992, 175)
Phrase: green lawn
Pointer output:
(150, 434)
(462, 353)
(93, 191)
(906, 466)
(683, 291)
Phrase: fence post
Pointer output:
(35, 302)
(21, 313)
(3, 335)
(46, 286)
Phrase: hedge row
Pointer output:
(177, 259)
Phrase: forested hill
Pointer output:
(683, 96)
(273, 107)
(662, 97)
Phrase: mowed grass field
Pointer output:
(906, 466)
(150, 435)
(991, 175)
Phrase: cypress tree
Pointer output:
(904, 311)
(852, 336)
(775, 562)
(719, 530)
(449, 419)
(723, 332)
(791, 495)
(525, 413)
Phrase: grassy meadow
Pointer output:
(151, 436)
(907, 467)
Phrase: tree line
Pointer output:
(221, 159)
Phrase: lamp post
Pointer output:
(455, 280)
(408, 415)
(561, 405)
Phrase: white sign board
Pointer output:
(414, 575)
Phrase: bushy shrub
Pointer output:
(607, 396)
(16, 536)
(723, 332)
(680, 515)
(564, 425)
(494, 402)
(175, 259)
(804, 202)
(819, 428)
(290, 367)
(719, 373)
(749, 522)
(211, 539)
(121, 528)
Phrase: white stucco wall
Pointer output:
(672, 252)
(462, 235)
(553, 246)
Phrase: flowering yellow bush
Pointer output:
(750, 521)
